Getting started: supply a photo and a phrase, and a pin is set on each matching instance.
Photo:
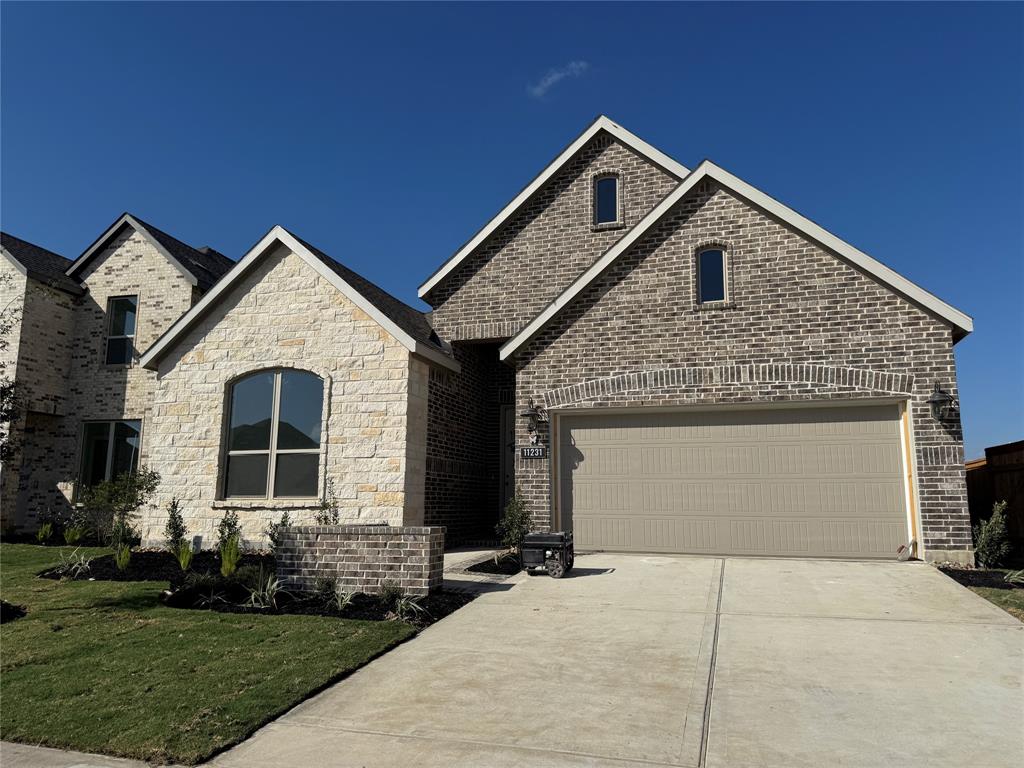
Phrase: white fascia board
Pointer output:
(280, 235)
(14, 262)
(602, 123)
(102, 240)
(805, 226)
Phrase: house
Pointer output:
(664, 359)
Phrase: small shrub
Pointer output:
(409, 608)
(390, 594)
(122, 556)
(1014, 577)
(73, 566)
(266, 591)
(342, 598)
(230, 554)
(992, 539)
(175, 531)
(184, 554)
(73, 535)
(208, 587)
(247, 576)
(273, 531)
(108, 510)
(327, 513)
(229, 528)
(44, 533)
(514, 523)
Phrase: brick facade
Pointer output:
(800, 325)
(362, 558)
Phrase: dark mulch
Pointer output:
(155, 565)
(507, 565)
(10, 612)
(979, 577)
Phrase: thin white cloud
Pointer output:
(555, 76)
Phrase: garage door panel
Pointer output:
(814, 481)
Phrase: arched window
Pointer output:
(712, 277)
(607, 208)
(273, 439)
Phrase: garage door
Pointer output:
(799, 482)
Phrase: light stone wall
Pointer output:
(12, 300)
(283, 314)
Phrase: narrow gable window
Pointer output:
(273, 441)
(711, 275)
(606, 200)
(121, 329)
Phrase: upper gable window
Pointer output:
(711, 276)
(121, 329)
(273, 441)
(607, 204)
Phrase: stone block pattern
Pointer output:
(800, 324)
(283, 314)
(362, 558)
(542, 248)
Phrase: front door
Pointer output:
(507, 436)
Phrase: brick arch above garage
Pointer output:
(820, 377)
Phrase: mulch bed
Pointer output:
(157, 565)
(507, 565)
(9, 612)
(979, 577)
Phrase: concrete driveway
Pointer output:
(683, 661)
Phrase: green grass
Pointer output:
(1010, 600)
(102, 667)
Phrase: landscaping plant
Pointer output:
(265, 593)
(273, 531)
(327, 513)
(175, 531)
(1015, 577)
(514, 523)
(72, 535)
(108, 510)
(230, 555)
(390, 594)
(992, 539)
(122, 556)
(409, 608)
(44, 533)
(229, 528)
(73, 566)
(184, 554)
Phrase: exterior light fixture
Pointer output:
(941, 403)
(534, 415)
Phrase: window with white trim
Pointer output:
(712, 277)
(121, 311)
(273, 436)
(109, 449)
(607, 207)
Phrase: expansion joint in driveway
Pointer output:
(711, 673)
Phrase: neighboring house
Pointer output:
(999, 476)
(662, 359)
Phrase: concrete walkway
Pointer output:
(683, 661)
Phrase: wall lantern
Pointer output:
(941, 403)
(534, 415)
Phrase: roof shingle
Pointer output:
(41, 264)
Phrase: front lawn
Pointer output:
(990, 583)
(102, 666)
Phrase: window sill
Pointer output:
(266, 504)
(610, 225)
(710, 306)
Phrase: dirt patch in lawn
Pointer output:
(9, 612)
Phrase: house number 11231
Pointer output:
(533, 452)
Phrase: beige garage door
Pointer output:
(804, 482)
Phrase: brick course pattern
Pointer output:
(799, 325)
(362, 558)
(539, 250)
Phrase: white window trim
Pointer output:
(109, 460)
(620, 206)
(273, 451)
(726, 282)
(110, 336)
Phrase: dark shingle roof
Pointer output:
(41, 264)
(206, 264)
(410, 320)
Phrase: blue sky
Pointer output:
(388, 134)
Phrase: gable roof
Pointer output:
(39, 264)
(601, 123)
(961, 323)
(202, 268)
(409, 326)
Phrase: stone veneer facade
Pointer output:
(282, 314)
(362, 558)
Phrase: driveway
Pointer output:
(684, 661)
